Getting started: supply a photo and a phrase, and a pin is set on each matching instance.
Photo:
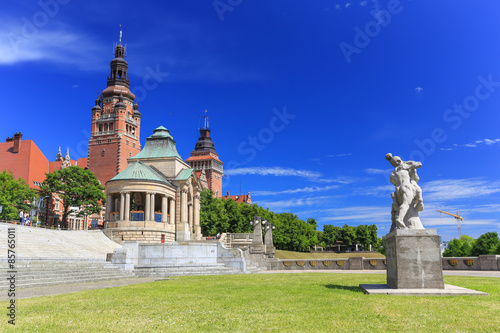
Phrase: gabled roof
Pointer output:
(141, 171)
(193, 158)
(184, 174)
(159, 145)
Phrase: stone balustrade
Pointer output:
(482, 263)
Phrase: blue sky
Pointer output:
(306, 97)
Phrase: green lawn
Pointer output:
(307, 302)
(280, 254)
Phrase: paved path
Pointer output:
(72, 288)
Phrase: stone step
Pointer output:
(75, 276)
(45, 243)
(65, 274)
(33, 284)
(180, 270)
(48, 267)
(211, 265)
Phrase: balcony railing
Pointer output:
(130, 120)
(107, 116)
(104, 132)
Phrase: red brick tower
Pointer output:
(205, 159)
(116, 123)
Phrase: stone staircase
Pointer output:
(46, 257)
(36, 272)
(185, 269)
(31, 242)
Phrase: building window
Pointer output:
(109, 140)
(56, 206)
(103, 152)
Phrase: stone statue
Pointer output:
(407, 198)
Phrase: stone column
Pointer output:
(147, 208)
(164, 209)
(127, 206)
(196, 216)
(109, 203)
(116, 206)
(172, 211)
(122, 205)
(190, 218)
(184, 209)
(152, 214)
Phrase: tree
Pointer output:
(213, 215)
(347, 234)
(15, 196)
(486, 244)
(76, 187)
(312, 222)
(330, 234)
(234, 215)
(459, 247)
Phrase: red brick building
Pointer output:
(26, 161)
(246, 198)
(116, 123)
(205, 161)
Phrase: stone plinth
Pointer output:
(182, 232)
(414, 259)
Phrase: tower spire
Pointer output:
(121, 31)
(206, 121)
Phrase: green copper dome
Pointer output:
(160, 144)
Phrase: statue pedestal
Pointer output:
(414, 259)
(182, 232)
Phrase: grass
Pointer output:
(318, 255)
(307, 302)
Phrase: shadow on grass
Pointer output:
(340, 287)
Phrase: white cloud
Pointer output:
(474, 144)
(378, 171)
(296, 202)
(312, 176)
(359, 214)
(339, 155)
(375, 191)
(453, 189)
(298, 190)
(273, 171)
(58, 45)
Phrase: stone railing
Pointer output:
(353, 263)
(482, 263)
(106, 116)
(238, 240)
(104, 132)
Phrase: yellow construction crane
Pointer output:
(457, 217)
